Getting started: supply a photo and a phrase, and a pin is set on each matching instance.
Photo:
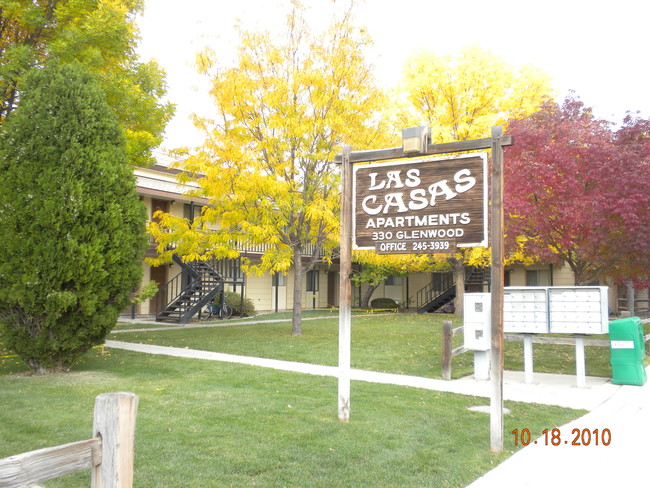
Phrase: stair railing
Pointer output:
(434, 289)
(202, 290)
(203, 283)
(168, 293)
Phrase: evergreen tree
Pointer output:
(73, 225)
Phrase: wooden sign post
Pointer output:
(496, 319)
(345, 292)
(405, 209)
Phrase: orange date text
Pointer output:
(554, 437)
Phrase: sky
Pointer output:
(598, 49)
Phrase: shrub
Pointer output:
(383, 303)
(234, 300)
(73, 225)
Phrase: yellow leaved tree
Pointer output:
(282, 112)
(461, 98)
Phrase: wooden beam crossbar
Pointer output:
(432, 149)
(30, 468)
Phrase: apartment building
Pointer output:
(160, 190)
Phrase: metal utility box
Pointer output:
(525, 310)
(476, 327)
(578, 310)
(627, 351)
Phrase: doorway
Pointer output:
(159, 275)
(331, 288)
(156, 205)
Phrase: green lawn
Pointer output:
(395, 343)
(211, 424)
(266, 317)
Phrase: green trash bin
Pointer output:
(627, 351)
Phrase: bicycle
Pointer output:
(223, 311)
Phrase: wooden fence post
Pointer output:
(114, 422)
(447, 334)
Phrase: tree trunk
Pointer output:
(579, 278)
(459, 274)
(367, 295)
(296, 322)
(582, 275)
(630, 298)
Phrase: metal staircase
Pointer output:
(442, 291)
(184, 296)
(436, 294)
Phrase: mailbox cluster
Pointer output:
(578, 310)
(525, 310)
(537, 310)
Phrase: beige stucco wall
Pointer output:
(417, 281)
(562, 275)
(258, 290)
(146, 270)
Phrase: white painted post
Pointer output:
(581, 376)
(528, 358)
(345, 287)
(482, 365)
(114, 422)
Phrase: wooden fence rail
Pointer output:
(109, 453)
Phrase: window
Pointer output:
(192, 211)
(279, 280)
(312, 280)
(394, 281)
(234, 269)
(538, 277)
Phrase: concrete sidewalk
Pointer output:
(548, 389)
(623, 410)
(621, 463)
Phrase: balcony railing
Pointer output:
(245, 248)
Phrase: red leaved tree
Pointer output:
(578, 192)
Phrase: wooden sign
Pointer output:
(422, 206)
